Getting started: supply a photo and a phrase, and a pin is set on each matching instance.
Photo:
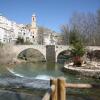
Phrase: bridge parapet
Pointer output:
(42, 48)
(19, 48)
(92, 48)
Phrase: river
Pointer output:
(47, 70)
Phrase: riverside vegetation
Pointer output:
(6, 54)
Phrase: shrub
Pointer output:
(20, 40)
(77, 47)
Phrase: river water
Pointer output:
(47, 70)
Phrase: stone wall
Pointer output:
(50, 53)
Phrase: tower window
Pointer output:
(33, 36)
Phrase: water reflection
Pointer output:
(48, 70)
(51, 66)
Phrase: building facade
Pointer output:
(34, 29)
(10, 31)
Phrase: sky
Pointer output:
(50, 13)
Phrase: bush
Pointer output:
(20, 40)
(1, 44)
(77, 47)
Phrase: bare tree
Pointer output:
(98, 29)
(41, 35)
(65, 33)
(85, 23)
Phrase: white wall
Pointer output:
(12, 30)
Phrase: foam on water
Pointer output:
(43, 77)
(14, 73)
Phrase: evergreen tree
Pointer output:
(77, 47)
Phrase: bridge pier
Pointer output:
(50, 53)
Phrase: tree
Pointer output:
(77, 47)
(41, 31)
(98, 20)
(65, 32)
(97, 36)
(44, 33)
(20, 40)
(1, 44)
(85, 23)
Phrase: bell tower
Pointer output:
(34, 28)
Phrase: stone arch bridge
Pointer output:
(50, 52)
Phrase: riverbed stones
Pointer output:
(25, 83)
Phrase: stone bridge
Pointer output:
(57, 49)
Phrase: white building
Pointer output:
(10, 31)
(26, 34)
(50, 38)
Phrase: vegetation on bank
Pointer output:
(6, 54)
(77, 47)
(87, 24)
(82, 30)
(21, 41)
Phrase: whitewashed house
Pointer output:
(10, 31)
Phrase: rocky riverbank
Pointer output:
(14, 62)
(85, 71)
(23, 89)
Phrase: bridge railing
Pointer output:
(47, 95)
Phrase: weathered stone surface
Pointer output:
(95, 73)
(25, 83)
(16, 88)
(14, 95)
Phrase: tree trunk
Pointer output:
(77, 61)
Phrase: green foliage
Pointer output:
(20, 40)
(73, 37)
(28, 43)
(1, 44)
(78, 49)
(76, 43)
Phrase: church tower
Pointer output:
(34, 28)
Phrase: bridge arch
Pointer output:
(17, 49)
(94, 55)
(59, 49)
(63, 56)
(42, 48)
(30, 54)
